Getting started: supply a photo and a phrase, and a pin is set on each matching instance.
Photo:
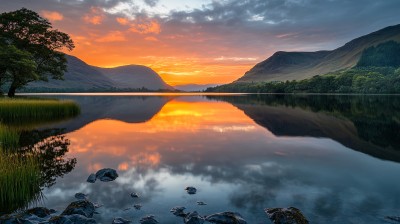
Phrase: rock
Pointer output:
(80, 219)
(92, 178)
(137, 206)
(120, 221)
(134, 195)
(393, 218)
(14, 219)
(149, 219)
(60, 220)
(71, 219)
(97, 205)
(85, 208)
(106, 175)
(193, 218)
(226, 218)
(289, 215)
(191, 190)
(201, 203)
(81, 196)
(178, 211)
(40, 211)
(30, 216)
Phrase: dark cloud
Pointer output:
(151, 3)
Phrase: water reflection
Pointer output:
(244, 155)
(45, 153)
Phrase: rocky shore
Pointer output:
(82, 211)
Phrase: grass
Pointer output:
(9, 138)
(20, 174)
(25, 111)
(19, 181)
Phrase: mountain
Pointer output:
(135, 77)
(194, 87)
(283, 66)
(83, 77)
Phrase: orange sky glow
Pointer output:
(205, 41)
(111, 41)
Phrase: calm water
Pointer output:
(334, 157)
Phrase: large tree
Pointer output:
(34, 37)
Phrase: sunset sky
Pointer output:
(206, 41)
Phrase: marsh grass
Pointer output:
(19, 181)
(28, 112)
(20, 173)
(9, 138)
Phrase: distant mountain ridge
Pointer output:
(194, 87)
(283, 66)
(83, 77)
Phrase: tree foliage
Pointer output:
(355, 80)
(25, 32)
(383, 55)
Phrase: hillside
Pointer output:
(135, 77)
(283, 66)
(83, 77)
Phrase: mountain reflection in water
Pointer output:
(242, 153)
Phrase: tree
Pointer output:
(16, 64)
(29, 33)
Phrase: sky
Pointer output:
(206, 41)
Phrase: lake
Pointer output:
(336, 158)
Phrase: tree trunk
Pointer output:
(11, 91)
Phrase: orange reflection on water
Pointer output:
(179, 126)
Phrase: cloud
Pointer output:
(151, 39)
(113, 36)
(52, 16)
(146, 27)
(235, 59)
(151, 3)
(228, 37)
(122, 21)
(95, 16)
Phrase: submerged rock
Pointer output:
(85, 208)
(40, 211)
(226, 218)
(178, 211)
(81, 196)
(71, 219)
(393, 218)
(137, 206)
(97, 205)
(91, 178)
(289, 215)
(21, 219)
(134, 195)
(106, 175)
(148, 220)
(120, 220)
(191, 190)
(193, 218)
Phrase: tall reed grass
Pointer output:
(20, 173)
(9, 138)
(25, 111)
(19, 181)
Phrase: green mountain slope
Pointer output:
(284, 66)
